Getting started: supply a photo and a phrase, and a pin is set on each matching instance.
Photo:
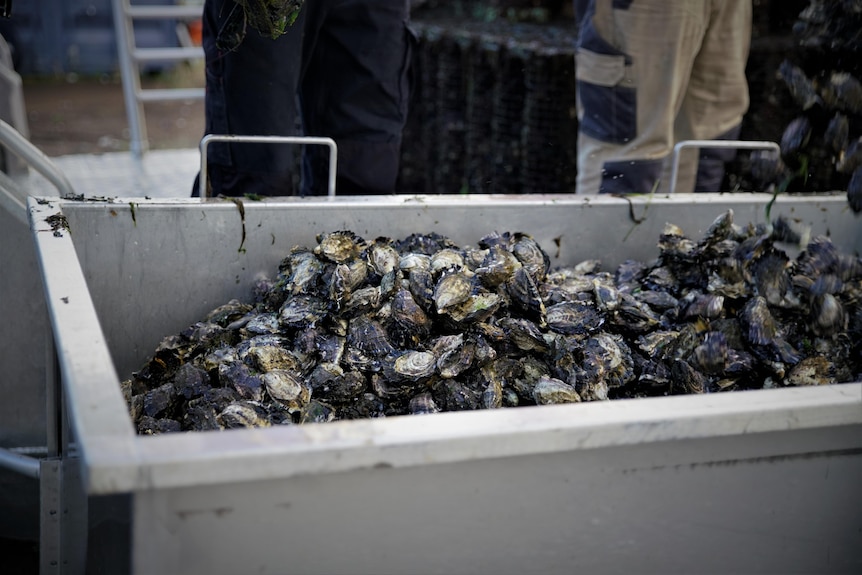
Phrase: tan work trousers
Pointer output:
(651, 73)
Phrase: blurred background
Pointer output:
(493, 109)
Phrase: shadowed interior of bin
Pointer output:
(155, 268)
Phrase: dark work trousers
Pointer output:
(342, 71)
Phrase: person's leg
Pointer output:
(717, 96)
(632, 67)
(355, 89)
(251, 91)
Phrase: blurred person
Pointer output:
(341, 70)
(651, 73)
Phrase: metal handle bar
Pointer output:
(313, 140)
(23, 464)
(21, 147)
(738, 144)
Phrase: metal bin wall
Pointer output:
(753, 481)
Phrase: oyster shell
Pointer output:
(523, 292)
(413, 366)
(287, 388)
(497, 267)
(423, 403)
(531, 255)
(410, 325)
(382, 256)
(837, 133)
(794, 139)
(550, 390)
(801, 88)
(339, 246)
(453, 289)
(574, 318)
(454, 355)
(243, 414)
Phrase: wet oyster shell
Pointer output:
(477, 308)
(760, 326)
(837, 133)
(814, 370)
(574, 317)
(304, 270)
(382, 256)
(368, 335)
(453, 395)
(686, 378)
(607, 360)
(423, 403)
(827, 315)
(794, 139)
(339, 246)
(549, 390)
(497, 267)
(843, 92)
(226, 313)
(240, 378)
(447, 259)
(801, 88)
(415, 365)
(287, 388)
(524, 294)
(302, 310)
(524, 334)
(711, 356)
(160, 401)
(410, 323)
(330, 383)
(243, 414)
(531, 255)
(271, 357)
(453, 289)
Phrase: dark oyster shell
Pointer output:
(801, 88)
(549, 390)
(339, 246)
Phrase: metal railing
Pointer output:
(737, 144)
(309, 140)
(11, 196)
(130, 56)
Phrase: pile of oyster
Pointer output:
(355, 328)
(821, 148)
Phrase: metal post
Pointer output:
(63, 503)
(125, 33)
(50, 504)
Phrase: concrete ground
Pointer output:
(87, 115)
(81, 124)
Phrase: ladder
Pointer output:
(131, 56)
